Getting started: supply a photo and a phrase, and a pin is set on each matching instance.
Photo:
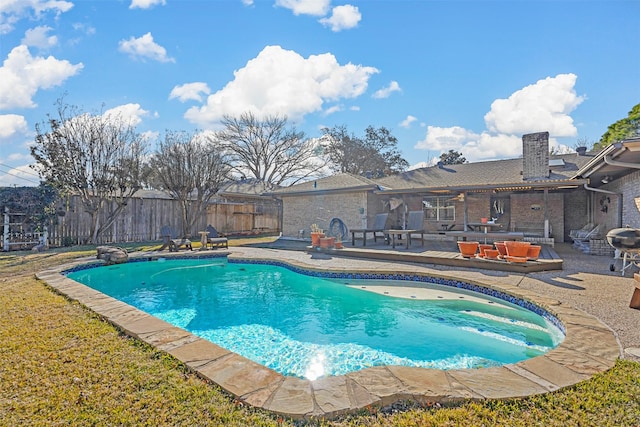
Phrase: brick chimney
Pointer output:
(535, 156)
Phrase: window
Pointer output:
(438, 208)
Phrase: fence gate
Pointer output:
(17, 234)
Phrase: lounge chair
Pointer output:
(378, 227)
(579, 233)
(215, 239)
(582, 237)
(170, 240)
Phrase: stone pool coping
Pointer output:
(589, 347)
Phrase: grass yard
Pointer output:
(62, 365)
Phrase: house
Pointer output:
(541, 195)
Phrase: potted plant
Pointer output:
(468, 249)
(517, 249)
(534, 252)
(316, 234)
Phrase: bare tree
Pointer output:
(98, 157)
(376, 153)
(191, 170)
(269, 151)
(452, 157)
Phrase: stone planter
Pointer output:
(517, 249)
(468, 249)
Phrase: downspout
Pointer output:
(466, 214)
(609, 160)
(618, 197)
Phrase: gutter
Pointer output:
(609, 160)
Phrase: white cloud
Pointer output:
(306, 7)
(12, 125)
(386, 92)
(131, 112)
(421, 165)
(22, 75)
(21, 176)
(542, 106)
(190, 91)
(144, 48)
(12, 11)
(473, 146)
(280, 81)
(84, 28)
(38, 37)
(342, 18)
(445, 139)
(406, 123)
(334, 109)
(247, 2)
(145, 4)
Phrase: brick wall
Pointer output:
(629, 187)
(525, 214)
(600, 247)
(299, 212)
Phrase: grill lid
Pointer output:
(624, 239)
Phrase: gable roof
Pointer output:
(342, 182)
(479, 176)
(246, 188)
(505, 174)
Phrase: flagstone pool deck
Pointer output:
(590, 346)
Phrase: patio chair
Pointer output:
(170, 240)
(415, 224)
(378, 227)
(215, 239)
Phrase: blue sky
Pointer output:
(472, 76)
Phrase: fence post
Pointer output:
(5, 232)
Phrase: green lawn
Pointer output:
(62, 365)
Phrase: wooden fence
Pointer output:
(142, 219)
(255, 217)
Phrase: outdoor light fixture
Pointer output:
(606, 179)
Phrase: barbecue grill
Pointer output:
(626, 242)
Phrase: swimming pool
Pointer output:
(318, 324)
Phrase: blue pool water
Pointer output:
(306, 326)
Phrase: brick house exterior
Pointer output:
(348, 197)
(542, 195)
